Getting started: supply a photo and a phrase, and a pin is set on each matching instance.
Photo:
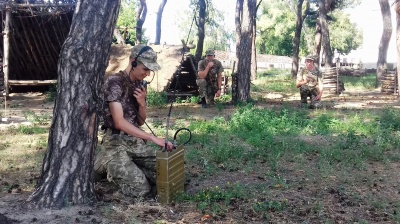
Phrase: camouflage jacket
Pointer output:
(119, 88)
(214, 70)
(316, 77)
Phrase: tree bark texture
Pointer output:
(300, 17)
(397, 9)
(254, 48)
(140, 19)
(317, 43)
(244, 20)
(158, 22)
(200, 23)
(326, 41)
(67, 171)
(254, 54)
(385, 39)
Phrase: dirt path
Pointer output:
(20, 104)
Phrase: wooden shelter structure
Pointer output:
(178, 73)
(33, 32)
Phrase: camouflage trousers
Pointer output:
(207, 90)
(312, 92)
(128, 162)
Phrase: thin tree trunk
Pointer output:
(67, 171)
(297, 35)
(245, 14)
(397, 9)
(200, 23)
(326, 41)
(385, 39)
(254, 49)
(158, 22)
(140, 19)
(317, 43)
(6, 44)
(254, 54)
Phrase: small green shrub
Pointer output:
(51, 95)
(157, 99)
(41, 119)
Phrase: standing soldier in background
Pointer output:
(310, 82)
(209, 78)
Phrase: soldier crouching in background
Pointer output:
(310, 82)
(209, 78)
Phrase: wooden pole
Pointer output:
(337, 75)
(6, 43)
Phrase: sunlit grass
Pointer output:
(266, 144)
(22, 151)
(274, 80)
(359, 83)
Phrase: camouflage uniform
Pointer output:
(311, 88)
(208, 86)
(126, 160)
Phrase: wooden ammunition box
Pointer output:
(170, 168)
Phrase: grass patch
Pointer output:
(321, 144)
(366, 82)
(303, 165)
(274, 80)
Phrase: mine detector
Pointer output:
(170, 168)
(170, 171)
(170, 165)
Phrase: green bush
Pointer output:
(156, 98)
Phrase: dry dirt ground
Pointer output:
(113, 208)
(381, 180)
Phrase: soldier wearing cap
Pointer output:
(125, 158)
(209, 78)
(310, 82)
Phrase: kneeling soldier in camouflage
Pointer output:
(125, 158)
(310, 82)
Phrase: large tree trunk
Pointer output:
(67, 171)
(244, 20)
(140, 19)
(297, 35)
(200, 23)
(385, 39)
(158, 22)
(326, 41)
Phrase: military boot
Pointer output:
(203, 102)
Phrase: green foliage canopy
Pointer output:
(275, 29)
(277, 23)
(345, 36)
(216, 34)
